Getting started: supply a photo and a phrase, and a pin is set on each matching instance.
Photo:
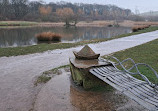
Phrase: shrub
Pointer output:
(48, 36)
(137, 28)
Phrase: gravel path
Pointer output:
(17, 74)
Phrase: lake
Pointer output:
(13, 37)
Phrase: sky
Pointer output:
(141, 5)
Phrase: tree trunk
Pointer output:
(67, 24)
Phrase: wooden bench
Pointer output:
(143, 92)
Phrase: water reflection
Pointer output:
(17, 37)
(26, 36)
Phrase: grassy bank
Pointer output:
(146, 53)
(17, 23)
(44, 47)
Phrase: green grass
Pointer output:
(16, 23)
(15, 51)
(146, 53)
(42, 79)
(47, 75)
(55, 70)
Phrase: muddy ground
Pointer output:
(61, 94)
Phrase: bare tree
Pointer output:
(66, 14)
(78, 15)
(45, 10)
(19, 8)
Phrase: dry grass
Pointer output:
(94, 23)
(125, 23)
(101, 23)
(146, 23)
(139, 27)
(48, 36)
(128, 23)
(17, 23)
(136, 26)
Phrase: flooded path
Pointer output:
(60, 94)
(17, 74)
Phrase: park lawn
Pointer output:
(15, 51)
(146, 53)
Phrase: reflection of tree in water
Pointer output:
(16, 37)
(105, 32)
(88, 33)
(26, 36)
(20, 36)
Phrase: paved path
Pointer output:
(17, 74)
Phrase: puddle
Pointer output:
(61, 94)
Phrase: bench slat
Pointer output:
(136, 89)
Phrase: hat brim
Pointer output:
(88, 57)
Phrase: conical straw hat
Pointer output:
(86, 53)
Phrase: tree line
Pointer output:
(60, 11)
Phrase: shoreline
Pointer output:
(100, 23)
(15, 51)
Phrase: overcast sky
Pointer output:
(141, 5)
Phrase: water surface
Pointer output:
(13, 37)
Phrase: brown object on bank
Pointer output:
(48, 36)
(86, 53)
